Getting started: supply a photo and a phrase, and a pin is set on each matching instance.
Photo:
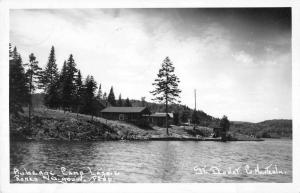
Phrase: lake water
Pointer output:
(152, 161)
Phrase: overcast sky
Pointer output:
(239, 60)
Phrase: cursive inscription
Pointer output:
(64, 175)
(257, 170)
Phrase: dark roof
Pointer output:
(161, 115)
(124, 109)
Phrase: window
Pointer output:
(121, 117)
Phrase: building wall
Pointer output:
(122, 116)
(160, 121)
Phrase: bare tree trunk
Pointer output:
(167, 116)
(77, 112)
(29, 115)
(30, 103)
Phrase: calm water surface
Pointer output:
(158, 161)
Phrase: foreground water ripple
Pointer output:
(157, 161)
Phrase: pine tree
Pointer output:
(100, 100)
(10, 53)
(104, 98)
(50, 80)
(166, 86)
(71, 74)
(33, 73)
(50, 73)
(111, 97)
(14, 54)
(62, 86)
(225, 125)
(120, 102)
(99, 93)
(71, 67)
(90, 104)
(18, 88)
(68, 86)
(127, 103)
(52, 97)
(79, 94)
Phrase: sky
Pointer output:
(238, 59)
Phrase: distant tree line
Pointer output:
(266, 129)
(181, 113)
(64, 89)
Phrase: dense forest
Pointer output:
(63, 89)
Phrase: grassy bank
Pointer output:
(50, 124)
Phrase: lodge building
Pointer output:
(125, 113)
(135, 114)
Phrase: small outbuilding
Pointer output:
(125, 113)
(160, 118)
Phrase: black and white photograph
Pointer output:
(150, 95)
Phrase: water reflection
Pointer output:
(167, 166)
(157, 161)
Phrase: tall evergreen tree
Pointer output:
(33, 73)
(120, 102)
(111, 97)
(71, 74)
(50, 80)
(90, 105)
(127, 103)
(10, 52)
(166, 86)
(14, 54)
(100, 100)
(62, 86)
(104, 98)
(68, 84)
(52, 96)
(50, 73)
(71, 67)
(79, 94)
(99, 93)
(18, 88)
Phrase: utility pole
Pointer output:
(195, 99)
(195, 109)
